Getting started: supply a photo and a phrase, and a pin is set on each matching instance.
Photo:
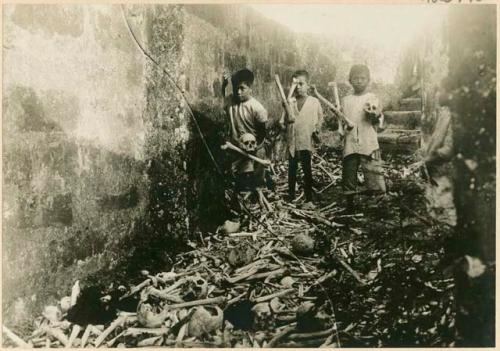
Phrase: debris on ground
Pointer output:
(284, 276)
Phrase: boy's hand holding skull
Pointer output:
(372, 110)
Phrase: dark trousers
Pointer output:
(350, 165)
(304, 157)
(245, 182)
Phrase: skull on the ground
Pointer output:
(261, 315)
(248, 142)
(197, 288)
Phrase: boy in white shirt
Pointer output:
(308, 117)
(361, 146)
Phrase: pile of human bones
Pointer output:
(265, 281)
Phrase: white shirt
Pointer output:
(245, 116)
(307, 121)
(362, 139)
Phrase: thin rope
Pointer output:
(174, 83)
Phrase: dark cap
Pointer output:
(244, 75)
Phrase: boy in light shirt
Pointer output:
(246, 116)
(361, 148)
(308, 117)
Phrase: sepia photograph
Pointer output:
(249, 175)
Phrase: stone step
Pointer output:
(399, 140)
(410, 104)
(403, 119)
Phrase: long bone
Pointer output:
(230, 146)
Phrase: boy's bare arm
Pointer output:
(281, 122)
(261, 133)
(289, 116)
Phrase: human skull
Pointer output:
(52, 313)
(203, 323)
(249, 142)
(372, 111)
(241, 255)
(197, 288)
(261, 315)
(302, 244)
(372, 107)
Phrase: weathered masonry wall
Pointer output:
(228, 38)
(103, 171)
(79, 137)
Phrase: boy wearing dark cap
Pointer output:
(246, 116)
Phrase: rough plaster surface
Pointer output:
(98, 148)
(73, 142)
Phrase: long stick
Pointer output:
(280, 88)
(350, 124)
(213, 300)
(281, 335)
(153, 331)
(262, 197)
(290, 116)
(164, 295)
(74, 334)
(236, 299)
(116, 323)
(312, 335)
(75, 292)
(317, 218)
(58, 334)
(337, 104)
(16, 339)
(326, 187)
(279, 271)
(243, 276)
(111, 342)
(136, 289)
(85, 336)
(181, 333)
(336, 94)
(290, 94)
(272, 296)
(230, 146)
(352, 271)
